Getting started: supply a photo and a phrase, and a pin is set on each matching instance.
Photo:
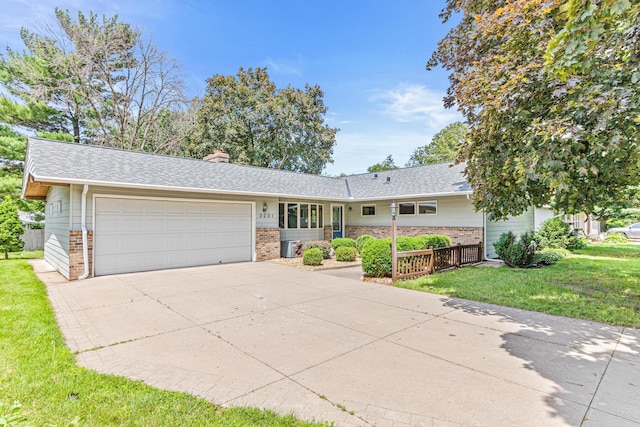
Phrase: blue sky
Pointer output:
(367, 56)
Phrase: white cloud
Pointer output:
(413, 103)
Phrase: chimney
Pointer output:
(217, 157)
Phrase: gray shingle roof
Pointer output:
(53, 161)
(440, 178)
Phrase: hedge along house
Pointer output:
(111, 211)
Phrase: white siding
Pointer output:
(541, 215)
(518, 225)
(452, 211)
(56, 229)
(302, 234)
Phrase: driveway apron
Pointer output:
(356, 353)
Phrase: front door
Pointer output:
(336, 219)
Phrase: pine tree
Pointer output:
(10, 227)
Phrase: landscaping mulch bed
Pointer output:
(326, 263)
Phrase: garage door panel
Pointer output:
(144, 234)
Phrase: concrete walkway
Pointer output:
(334, 348)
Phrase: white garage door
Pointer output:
(142, 234)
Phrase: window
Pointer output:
(292, 215)
(427, 208)
(304, 215)
(314, 216)
(368, 210)
(281, 215)
(300, 215)
(573, 221)
(407, 209)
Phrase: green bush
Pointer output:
(360, 241)
(516, 252)
(345, 253)
(376, 258)
(557, 234)
(409, 243)
(576, 242)
(549, 256)
(312, 256)
(435, 240)
(323, 245)
(339, 242)
(616, 238)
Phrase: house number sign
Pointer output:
(265, 215)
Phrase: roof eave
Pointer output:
(65, 182)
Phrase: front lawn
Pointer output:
(38, 371)
(599, 283)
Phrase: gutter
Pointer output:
(54, 181)
(83, 227)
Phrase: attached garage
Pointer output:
(141, 234)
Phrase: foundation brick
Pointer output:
(267, 243)
(462, 235)
(76, 259)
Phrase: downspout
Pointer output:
(83, 227)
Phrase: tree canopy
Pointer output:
(385, 165)
(96, 79)
(549, 89)
(257, 124)
(443, 147)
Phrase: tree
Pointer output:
(94, 78)
(386, 165)
(257, 124)
(12, 152)
(10, 227)
(549, 91)
(443, 146)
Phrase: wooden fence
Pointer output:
(419, 263)
(33, 239)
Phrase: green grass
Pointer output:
(599, 283)
(38, 370)
(23, 255)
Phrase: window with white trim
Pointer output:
(427, 208)
(368, 210)
(406, 208)
(300, 215)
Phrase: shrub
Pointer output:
(408, 243)
(555, 233)
(312, 256)
(576, 242)
(360, 241)
(376, 258)
(323, 245)
(345, 253)
(339, 242)
(616, 238)
(435, 240)
(516, 252)
(549, 256)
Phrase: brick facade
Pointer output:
(267, 243)
(462, 235)
(328, 232)
(76, 260)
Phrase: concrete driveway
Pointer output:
(334, 348)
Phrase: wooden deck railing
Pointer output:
(419, 263)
